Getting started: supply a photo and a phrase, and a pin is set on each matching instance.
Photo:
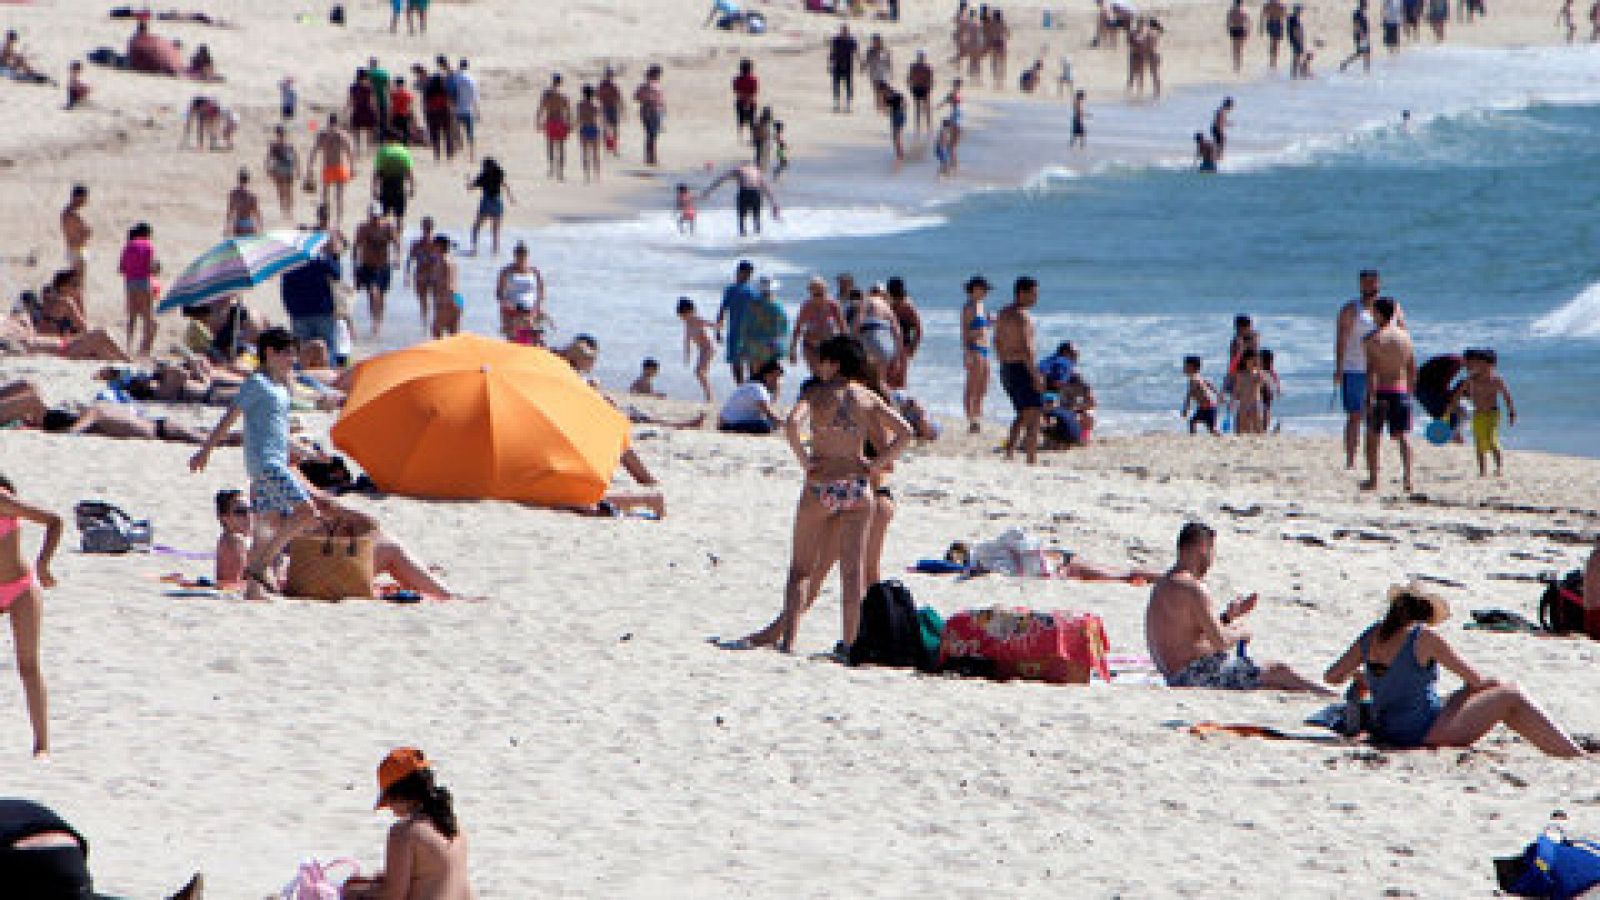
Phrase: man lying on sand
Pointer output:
(1194, 647)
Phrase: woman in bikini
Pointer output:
(835, 510)
(283, 167)
(1401, 656)
(818, 319)
(426, 854)
(21, 598)
(975, 328)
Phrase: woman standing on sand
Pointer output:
(1401, 656)
(426, 854)
(841, 414)
(975, 328)
(283, 167)
(21, 598)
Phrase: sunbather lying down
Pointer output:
(18, 334)
(116, 420)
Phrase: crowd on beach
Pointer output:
(850, 423)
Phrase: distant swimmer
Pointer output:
(1205, 153)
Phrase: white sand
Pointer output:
(597, 745)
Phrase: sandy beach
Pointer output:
(596, 743)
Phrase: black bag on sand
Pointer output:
(891, 631)
(1561, 606)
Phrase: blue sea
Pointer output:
(1480, 210)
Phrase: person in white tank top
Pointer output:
(1355, 322)
(521, 295)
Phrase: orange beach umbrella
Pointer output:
(471, 417)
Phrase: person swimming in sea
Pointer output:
(1205, 153)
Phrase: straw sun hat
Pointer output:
(1441, 606)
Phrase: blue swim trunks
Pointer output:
(1353, 391)
(277, 491)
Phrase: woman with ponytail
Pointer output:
(1400, 657)
(426, 855)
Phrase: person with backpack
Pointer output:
(22, 600)
(275, 489)
(1396, 661)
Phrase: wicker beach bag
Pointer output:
(328, 565)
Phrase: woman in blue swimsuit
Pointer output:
(975, 327)
(1399, 659)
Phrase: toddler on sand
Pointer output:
(699, 333)
(645, 384)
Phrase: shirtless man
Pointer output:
(1391, 377)
(610, 99)
(1194, 647)
(377, 245)
(420, 268)
(1273, 13)
(447, 300)
(1219, 126)
(747, 202)
(1019, 371)
(1353, 325)
(244, 210)
(1238, 32)
(555, 120)
(338, 154)
(75, 232)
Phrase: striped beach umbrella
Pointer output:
(239, 263)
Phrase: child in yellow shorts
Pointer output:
(1483, 387)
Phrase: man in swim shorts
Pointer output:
(747, 202)
(555, 120)
(1014, 336)
(1391, 377)
(338, 154)
(1194, 647)
(377, 245)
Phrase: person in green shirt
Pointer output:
(379, 76)
(764, 332)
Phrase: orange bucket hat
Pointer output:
(401, 763)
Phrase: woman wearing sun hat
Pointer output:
(426, 855)
(1400, 658)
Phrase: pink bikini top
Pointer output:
(7, 525)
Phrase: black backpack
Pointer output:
(1561, 606)
(891, 631)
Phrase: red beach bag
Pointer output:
(1059, 647)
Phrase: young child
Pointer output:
(1484, 387)
(1202, 394)
(943, 146)
(1248, 382)
(645, 384)
(685, 207)
(698, 333)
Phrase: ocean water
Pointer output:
(1480, 212)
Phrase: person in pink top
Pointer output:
(139, 268)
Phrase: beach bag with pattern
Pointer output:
(105, 528)
(314, 880)
(1059, 647)
(1561, 605)
(327, 565)
(1552, 866)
